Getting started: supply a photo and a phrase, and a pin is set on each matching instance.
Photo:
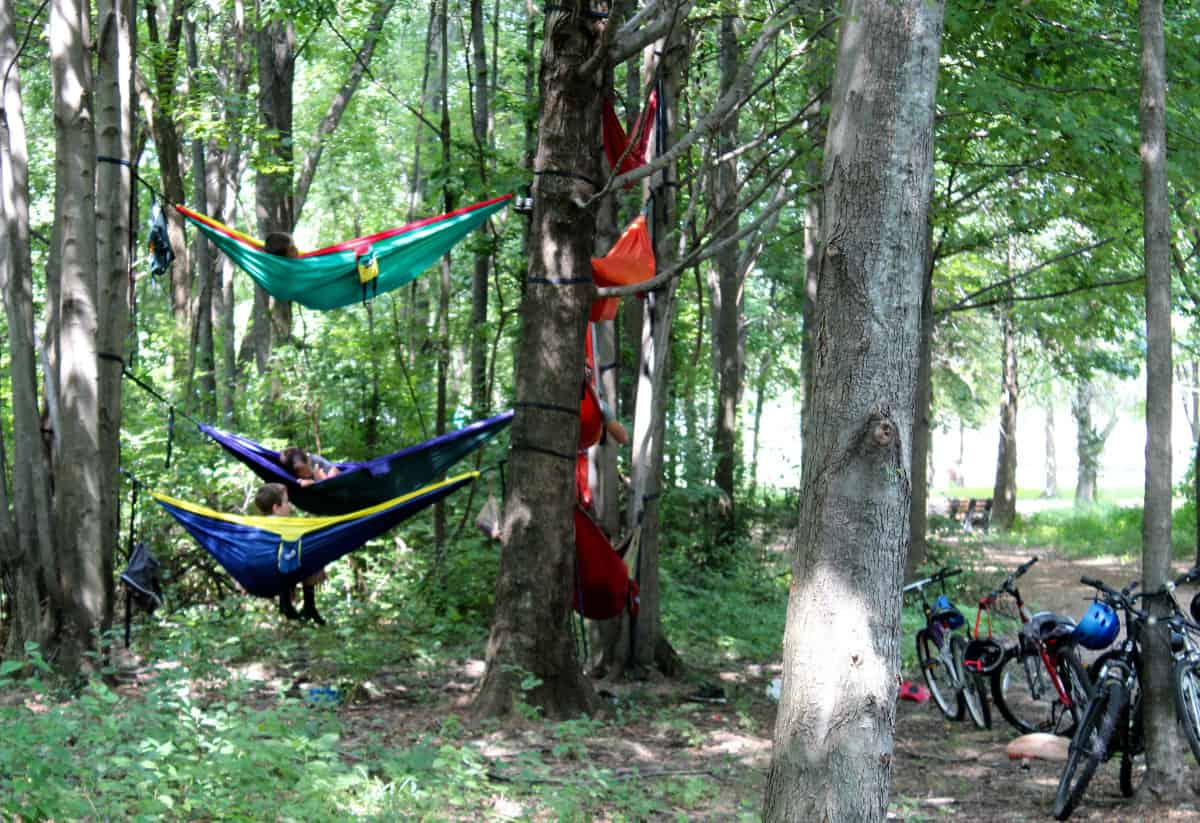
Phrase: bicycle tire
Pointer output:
(939, 681)
(1089, 746)
(1078, 684)
(1025, 694)
(973, 698)
(1187, 702)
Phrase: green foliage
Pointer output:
(1101, 530)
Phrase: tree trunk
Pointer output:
(1164, 779)
(1004, 494)
(833, 735)
(275, 200)
(444, 285)
(202, 358)
(531, 654)
(34, 578)
(114, 189)
(77, 464)
(1086, 444)
(1050, 488)
(167, 142)
(727, 297)
(480, 121)
(922, 434)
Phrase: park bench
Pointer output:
(972, 513)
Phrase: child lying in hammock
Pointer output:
(306, 467)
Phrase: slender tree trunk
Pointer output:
(1050, 489)
(1164, 779)
(480, 120)
(530, 632)
(275, 199)
(114, 189)
(34, 579)
(77, 466)
(727, 298)
(922, 435)
(1004, 494)
(202, 358)
(833, 735)
(167, 141)
(1087, 444)
(445, 285)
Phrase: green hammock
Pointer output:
(330, 278)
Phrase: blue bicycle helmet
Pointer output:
(945, 612)
(1098, 627)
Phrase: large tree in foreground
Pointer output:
(1162, 744)
(833, 735)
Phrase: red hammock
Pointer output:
(616, 141)
(629, 261)
(602, 586)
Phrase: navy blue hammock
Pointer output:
(268, 555)
(371, 482)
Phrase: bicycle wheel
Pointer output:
(1132, 742)
(973, 698)
(1078, 685)
(1025, 695)
(938, 678)
(1187, 702)
(1089, 747)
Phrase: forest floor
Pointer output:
(698, 747)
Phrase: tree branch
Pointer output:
(1032, 297)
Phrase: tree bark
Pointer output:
(833, 733)
(114, 190)
(480, 121)
(202, 376)
(275, 193)
(77, 463)
(1004, 493)
(1164, 779)
(1089, 442)
(922, 434)
(444, 284)
(1050, 487)
(34, 577)
(727, 297)
(531, 655)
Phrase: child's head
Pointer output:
(295, 460)
(280, 243)
(272, 498)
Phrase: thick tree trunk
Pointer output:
(114, 188)
(1164, 779)
(727, 297)
(1004, 493)
(202, 377)
(34, 577)
(833, 734)
(77, 464)
(531, 654)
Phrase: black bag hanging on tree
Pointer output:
(161, 253)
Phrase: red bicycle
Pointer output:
(1038, 683)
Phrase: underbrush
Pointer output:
(1100, 530)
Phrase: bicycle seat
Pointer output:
(1050, 628)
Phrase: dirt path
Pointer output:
(951, 771)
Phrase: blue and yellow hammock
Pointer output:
(268, 555)
(347, 272)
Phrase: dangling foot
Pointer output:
(286, 608)
(313, 615)
(309, 612)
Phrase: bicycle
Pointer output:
(1038, 683)
(1113, 722)
(940, 653)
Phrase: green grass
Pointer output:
(1099, 530)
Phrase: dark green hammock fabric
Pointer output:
(328, 278)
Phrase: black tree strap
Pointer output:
(608, 366)
(533, 404)
(560, 281)
(551, 452)
(572, 174)
(588, 13)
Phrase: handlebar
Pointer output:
(936, 577)
(1007, 585)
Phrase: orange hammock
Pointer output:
(630, 261)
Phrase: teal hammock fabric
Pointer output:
(329, 278)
